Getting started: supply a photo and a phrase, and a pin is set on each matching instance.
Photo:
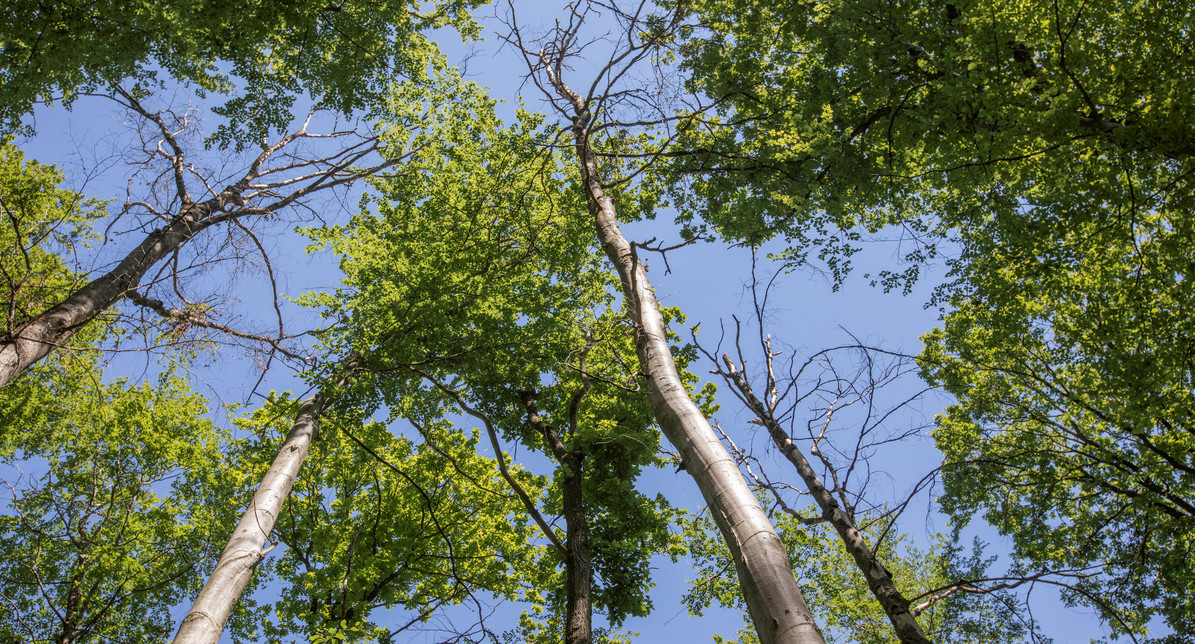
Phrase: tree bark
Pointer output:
(578, 607)
(578, 557)
(35, 339)
(209, 615)
(879, 580)
(70, 620)
(774, 601)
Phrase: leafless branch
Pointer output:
(192, 317)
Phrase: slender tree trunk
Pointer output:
(578, 607)
(773, 599)
(70, 620)
(879, 580)
(36, 338)
(578, 558)
(209, 615)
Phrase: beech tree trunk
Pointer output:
(209, 615)
(578, 557)
(777, 608)
(879, 580)
(70, 620)
(36, 338)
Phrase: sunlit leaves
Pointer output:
(932, 116)
(475, 270)
(1069, 352)
(114, 508)
(379, 522)
(1049, 144)
(260, 55)
(40, 223)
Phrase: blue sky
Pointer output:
(709, 282)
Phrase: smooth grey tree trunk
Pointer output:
(36, 338)
(209, 615)
(777, 608)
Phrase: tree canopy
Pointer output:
(481, 395)
(113, 505)
(933, 117)
(261, 56)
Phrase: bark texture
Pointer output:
(578, 606)
(879, 580)
(35, 339)
(777, 608)
(578, 557)
(209, 615)
(70, 620)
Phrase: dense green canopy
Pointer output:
(933, 117)
(1070, 353)
(1042, 151)
(262, 55)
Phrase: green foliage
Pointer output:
(114, 510)
(837, 594)
(116, 490)
(471, 256)
(615, 437)
(382, 523)
(471, 252)
(263, 55)
(40, 224)
(930, 116)
(1069, 352)
(477, 269)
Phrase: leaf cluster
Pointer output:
(40, 224)
(474, 272)
(262, 55)
(1070, 357)
(114, 507)
(834, 118)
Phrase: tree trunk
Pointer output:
(578, 558)
(207, 618)
(36, 338)
(773, 599)
(578, 607)
(70, 618)
(879, 580)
